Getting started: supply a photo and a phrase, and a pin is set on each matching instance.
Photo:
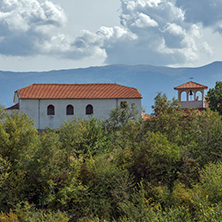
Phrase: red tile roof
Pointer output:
(146, 116)
(191, 85)
(78, 91)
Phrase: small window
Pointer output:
(89, 109)
(123, 104)
(50, 110)
(69, 110)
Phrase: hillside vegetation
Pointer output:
(167, 168)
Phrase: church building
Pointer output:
(49, 105)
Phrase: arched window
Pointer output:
(199, 96)
(50, 110)
(191, 95)
(69, 110)
(184, 96)
(89, 109)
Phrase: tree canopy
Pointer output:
(164, 168)
(214, 97)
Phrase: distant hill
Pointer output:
(147, 79)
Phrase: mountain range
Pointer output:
(149, 80)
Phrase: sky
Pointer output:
(39, 35)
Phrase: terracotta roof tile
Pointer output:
(78, 91)
(191, 85)
(146, 116)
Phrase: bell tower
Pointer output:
(191, 94)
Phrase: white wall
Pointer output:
(192, 104)
(37, 109)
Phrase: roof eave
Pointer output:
(14, 107)
(178, 88)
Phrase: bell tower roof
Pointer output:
(190, 85)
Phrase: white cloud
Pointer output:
(144, 21)
(158, 32)
(26, 24)
(111, 34)
(163, 36)
(152, 31)
(164, 33)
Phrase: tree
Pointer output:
(155, 159)
(206, 140)
(3, 113)
(211, 184)
(18, 142)
(18, 137)
(177, 124)
(82, 137)
(163, 105)
(119, 116)
(214, 97)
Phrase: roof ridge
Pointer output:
(76, 84)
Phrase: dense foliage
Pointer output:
(166, 168)
(214, 97)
